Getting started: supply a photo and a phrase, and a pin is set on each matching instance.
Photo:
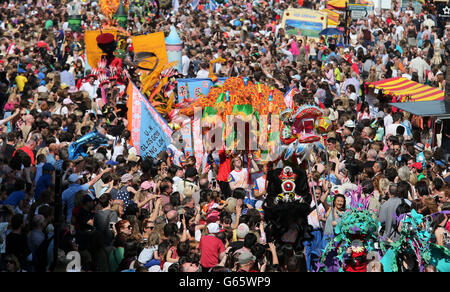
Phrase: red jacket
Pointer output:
(224, 167)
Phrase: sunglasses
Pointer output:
(129, 227)
(9, 262)
(149, 227)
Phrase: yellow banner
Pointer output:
(93, 52)
(154, 43)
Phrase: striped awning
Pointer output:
(407, 90)
(333, 17)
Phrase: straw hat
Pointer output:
(133, 157)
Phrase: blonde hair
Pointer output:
(413, 179)
(153, 239)
(383, 184)
(116, 208)
(406, 115)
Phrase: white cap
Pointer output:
(67, 101)
(349, 124)
(213, 228)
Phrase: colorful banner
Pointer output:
(150, 133)
(304, 22)
(197, 138)
(192, 137)
(360, 5)
(186, 134)
(289, 97)
(340, 4)
(193, 88)
(153, 42)
(93, 52)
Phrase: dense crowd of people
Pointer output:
(123, 212)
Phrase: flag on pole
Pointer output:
(213, 5)
(289, 97)
(197, 139)
(150, 133)
(175, 5)
(194, 4)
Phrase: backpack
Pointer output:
(40, 256)
(403, 208)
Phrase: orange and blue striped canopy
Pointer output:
(408, 90)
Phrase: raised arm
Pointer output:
(97, 177)
(16, 113)
(238, 214)
(156, 210)
(273, 250)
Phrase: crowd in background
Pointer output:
(123, 212)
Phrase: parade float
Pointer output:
(356, 237)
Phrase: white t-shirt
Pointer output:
(353, 96)
(176, 179)
(407, 76)
(312, 217)
(240, 177)
(118, 150)
(202, 73)
(198, 235)
(353, 38)
(399, 32)
(392, 129)
(91, 89)
(185, 62)
(260, 184)
(147, 254)
(64, 111)
(388, 120)
(42, 89)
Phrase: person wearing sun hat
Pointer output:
(246, 261)
(125, 189)
(68, 196)
(418, 150)
(349, 127)
(67, 106)
(147, 190)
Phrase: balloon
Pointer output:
(94, 138)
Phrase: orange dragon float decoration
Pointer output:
(237, 91)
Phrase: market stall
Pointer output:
(431, 114)
(402, 89)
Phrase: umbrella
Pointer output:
(331, 31)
